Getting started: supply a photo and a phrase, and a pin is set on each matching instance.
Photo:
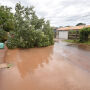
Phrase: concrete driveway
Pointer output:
(58, 67)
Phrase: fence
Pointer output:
(74, 34)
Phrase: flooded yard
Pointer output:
(57, 67)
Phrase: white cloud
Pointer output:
(59, 12)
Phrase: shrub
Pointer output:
(30, 31)
(12, 41)
(3, 35)
(49, 32)
(21, 39)
(84, 34)
(26, 39)
(41, 39)
(29, 39)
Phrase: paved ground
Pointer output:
(58, 67)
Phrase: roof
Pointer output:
(73, 28)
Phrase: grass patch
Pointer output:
(87, 43)
(77, 41)
(72, 41)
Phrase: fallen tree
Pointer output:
(30, 31)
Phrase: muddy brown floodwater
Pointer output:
(58, 67)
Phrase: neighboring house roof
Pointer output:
(73, 28)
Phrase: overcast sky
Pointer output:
(59, 12)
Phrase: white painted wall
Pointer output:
(63, 34)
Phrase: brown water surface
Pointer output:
(58, 67)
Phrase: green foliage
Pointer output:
(26, 39)
(6, 18)
(80, 24)
(74, 32)
(49, 31)
(41, 39)
(12, 41)
(30, 31)
(29, 39)
(3, 35)
(36, 22)
(84, 34)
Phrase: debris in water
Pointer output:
(5, 65)
(9, 65)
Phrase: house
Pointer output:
(62, 33)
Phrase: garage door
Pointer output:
(63, 34)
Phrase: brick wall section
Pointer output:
(2, 54)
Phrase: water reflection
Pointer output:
(29, 59)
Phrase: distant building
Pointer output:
(54, 30)
(62, 33)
